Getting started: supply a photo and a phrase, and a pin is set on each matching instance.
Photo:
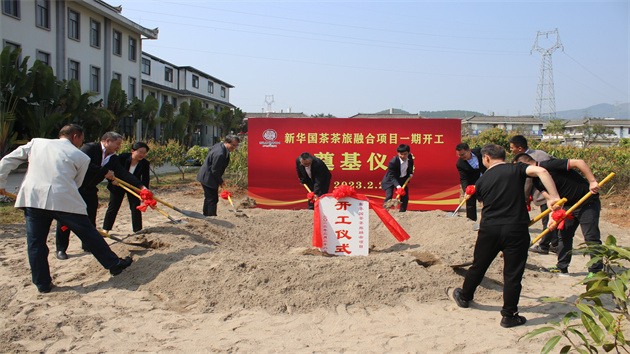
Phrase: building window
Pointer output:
(152, 93)
(195, 81)
(73, 70)
(222, 91)
(117, 45)
(168, 74)
(43, 57)
(132, 87)
(164, 99)
(117, 76)
(174, 102)
(132, 49)
(73, 24)
(42, 13)
(11, 8)
(146, 66)
(95, 33)
(210, 87)
(95, 79)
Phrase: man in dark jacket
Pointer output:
(210, 174)
(399, 170)
(314, 173)
(103, 164)
(470, 168)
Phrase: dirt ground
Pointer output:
(243, 284)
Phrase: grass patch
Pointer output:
(10, 214)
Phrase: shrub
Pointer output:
(604, 321)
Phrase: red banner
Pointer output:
(357, 152)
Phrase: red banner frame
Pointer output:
(357, 151)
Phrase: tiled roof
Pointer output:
(275, 115)
(503, 119)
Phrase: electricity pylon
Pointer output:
(545, 95)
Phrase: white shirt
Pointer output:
(308, 171)
(105, 158)
(403, 167)
(55, 172)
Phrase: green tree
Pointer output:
(591, 132)
(322, 115)
(44, 115)
(166, 117)
(15, 87)
(180, 122)
(82, 111)
(146, 112)
(229, 119)
(118, 105)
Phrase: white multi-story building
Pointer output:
(87, 40)
(167, 82)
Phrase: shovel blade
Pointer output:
(191, 214)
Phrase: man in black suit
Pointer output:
(399, 169)
(470, 168)
(210, 174)
(103, 164)
(314, 173)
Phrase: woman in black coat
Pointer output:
(139, 167)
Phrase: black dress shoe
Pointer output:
(61, 255)
(512, 321)
(457, 296)
(45, 289)
(122, 264)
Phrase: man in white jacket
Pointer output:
(50, 191)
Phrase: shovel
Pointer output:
(466, 197)
(10, 195)
(235, 211)
(190, 214)
(309, 190)
(105, 234)
(156, 208)
(579, 202)
(392, 203)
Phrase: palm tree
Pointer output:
(15, 87)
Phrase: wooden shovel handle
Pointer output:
(575, 206)
(138, 190)
(546, 212)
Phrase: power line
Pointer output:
(599, 78)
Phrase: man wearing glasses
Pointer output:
(211, 172)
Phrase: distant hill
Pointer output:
(602, 110)
(434, 114)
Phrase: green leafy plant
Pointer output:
(601, 321)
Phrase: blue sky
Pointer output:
(348, 57)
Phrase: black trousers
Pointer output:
(115, 201)
(471, 208)
(38, 223)
(513, 240)
(210, 200)
(587, 217)
(90, 196)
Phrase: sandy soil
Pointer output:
(255, 284)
